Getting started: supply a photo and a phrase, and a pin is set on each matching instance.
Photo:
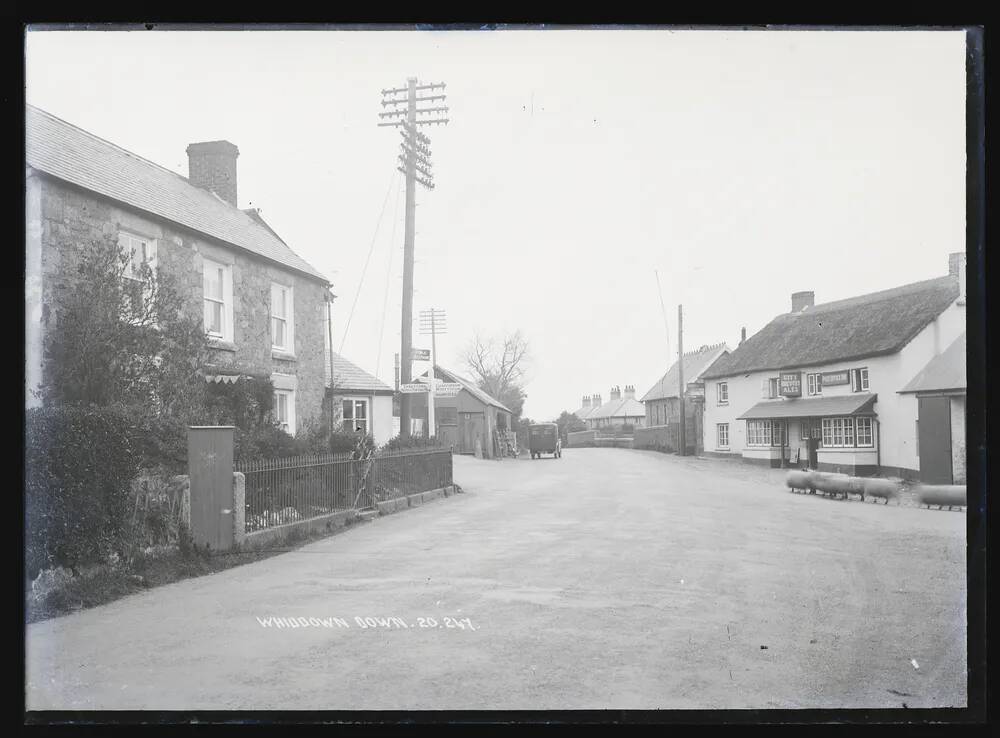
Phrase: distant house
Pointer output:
(262, 305)
(362, 403)
(618, 411)
(662, 401)
(937, 398)
(588, 405)
(821, 384)
(467, 419)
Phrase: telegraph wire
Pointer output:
(371, 248)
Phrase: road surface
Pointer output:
(609, 578)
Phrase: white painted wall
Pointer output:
(887, 375)
(383, 427)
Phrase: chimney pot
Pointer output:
(743, 335)
(212, 167)
(803, 300)
(956, 268)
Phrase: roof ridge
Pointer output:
(887, 293)
(105, 141)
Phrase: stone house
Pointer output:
(620, 410)
(264, 307)
(820, 386)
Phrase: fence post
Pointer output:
(239, 508)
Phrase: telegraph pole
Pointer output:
(416, 165)
(680, 376)
(432, 322)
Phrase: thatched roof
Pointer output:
(876, 324)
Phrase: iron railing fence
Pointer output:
(280, 491)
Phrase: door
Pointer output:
(471, 430)
(934, 442)
(210, 471)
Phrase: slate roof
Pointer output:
(352, 378)
(870, 325)
(861, 403)
(624, 407)
(946, 371)
(695, 363)
(73, 155)
(471, 387)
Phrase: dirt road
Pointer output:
(605, 579)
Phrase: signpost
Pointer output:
(790, 384)
(421, 354)
(413, 387)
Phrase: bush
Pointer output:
(79, 465)
(398, 442)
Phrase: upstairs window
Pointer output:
(140, 250)
(723, 388)
(282, 321)
(218, 300)
(859, 380)
(814, 384)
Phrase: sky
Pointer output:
(738, 166)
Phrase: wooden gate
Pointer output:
(934, 443)
(470, 429)
(210, 469)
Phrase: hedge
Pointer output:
(79, 465)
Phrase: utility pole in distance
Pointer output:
(432, 322)
(416, 165)
(680, 376)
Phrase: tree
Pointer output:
(499, 368)
(121, 337)
(569, 423)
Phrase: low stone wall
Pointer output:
(419, 498)
(280, 533)
(607, 442)
(581, 438)
(657, 438)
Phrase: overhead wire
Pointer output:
(388, 280)
(371, 248)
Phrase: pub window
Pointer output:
(723, 393)
(864, 432)
(814, 384)
(827, 431)
(769, 388)
(848, 431)
(859, 380)
(778, 433)
(722, 435)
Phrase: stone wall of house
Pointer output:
(72, 219)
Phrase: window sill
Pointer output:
(282, 355)
(220, 344)
(723, 404)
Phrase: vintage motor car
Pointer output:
(543, 438)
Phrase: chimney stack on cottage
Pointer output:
(616, 393)
(956, 268)
(803, 300)
(629, 392)
(743, 335)
(595, 401)
(212, 167)
(586, 402)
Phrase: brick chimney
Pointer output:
(803, 300)
(586, 402)
(629, 392)
(743, 335)
(595, 401)
(956, 268)
(212, 167)
(616, 393)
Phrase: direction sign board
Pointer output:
(447, 389)
(413, 387)
(421, 354)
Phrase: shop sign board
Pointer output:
(790, 384)
(832, 378)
